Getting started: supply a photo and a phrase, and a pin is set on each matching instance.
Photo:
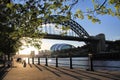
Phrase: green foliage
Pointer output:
(103, 7)
(9, 5)
(79, 14)
(65, 28)
(35, 42)
(93, 19)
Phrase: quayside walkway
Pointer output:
(42, 72)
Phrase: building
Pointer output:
(58, 47)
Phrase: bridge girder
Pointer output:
(74, 26)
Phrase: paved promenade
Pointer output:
(41, 72)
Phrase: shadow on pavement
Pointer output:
(107, 75)
(38, 67)
(54, 72)
(77, 77)
(30, 65)
(3, 72)
(110, 74)
(14, 66)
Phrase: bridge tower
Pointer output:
(101, 43)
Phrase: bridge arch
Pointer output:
(74, 26)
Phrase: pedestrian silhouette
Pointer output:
(24, 63)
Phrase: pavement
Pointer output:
(42, 72)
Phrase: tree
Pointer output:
(8, 42)
(33, 11)
(22, 18)
(10, 30)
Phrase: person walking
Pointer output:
(24, 63)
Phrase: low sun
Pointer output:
(27, 50)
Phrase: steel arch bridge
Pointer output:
(82, 35)
(74, 26)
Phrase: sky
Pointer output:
(110, 26)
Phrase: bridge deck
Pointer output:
(41, 72)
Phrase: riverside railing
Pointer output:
(76, 62)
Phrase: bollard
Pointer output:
(46, 61)
(56, 61)
(38, 60)
(71, 63)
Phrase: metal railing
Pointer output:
(72, 62)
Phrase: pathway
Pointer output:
(41, 72)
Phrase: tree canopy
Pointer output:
(22, 18)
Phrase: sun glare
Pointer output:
(28, 50)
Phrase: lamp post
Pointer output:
(38, 60)
(90, 56)
(39, 57)
(46, 58)
(56, 60)
(70, 60)
(32, 55)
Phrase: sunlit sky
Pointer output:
(110, 26)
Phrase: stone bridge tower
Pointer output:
(101, 43)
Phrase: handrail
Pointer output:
(79, 63)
